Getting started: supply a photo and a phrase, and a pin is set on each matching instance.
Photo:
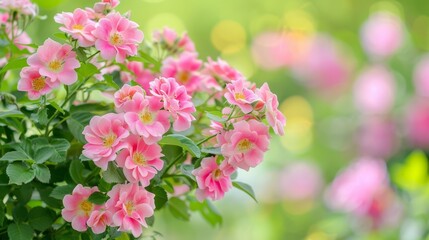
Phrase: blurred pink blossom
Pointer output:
(421, 77)
(270, 50)
(377, 138)
(417, 123)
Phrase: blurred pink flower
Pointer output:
(374, 90)
(98, 220)
(78, 25)
(382, 34)
(173, 42)
(35, 84)
(143, 76)
(25, 7)
(4, 17)
(421, 77)
(105, 5)
(239, 95)
(377, 138)
(417, 123)
(270, 50)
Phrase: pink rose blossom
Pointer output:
(382, 34)
(172, 41)
(98, 220)
(185, 69)
(123, 96)
(117, 37)
(78, 25)
(105, 5)
(130, 205)
(275, 118)
(55, 61)
(421, 77)
(25, 7)
(246, 144)
(77, 208)
(145, 118)
(417, 123)
(212, 180)
(176, 100)
(143, 76)
(238, 94)
(35, 84)
(374, 90)
(217, 73)
(105, 137)
(140, 161)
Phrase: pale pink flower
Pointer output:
(4, 17)
(140, 161)
(25, 7)
(216, 73)
(212, 180)
(145, 118)
(421, 76)
(377, 138)
(417, 123)
(238, 94)
(185, 69)
(130, 205)
(35, 84)
(374, 90)
(246, 144)
(55, 61)
(143, 76)
(104, 5)
(172, 41)
(98, 220)
(275, 118)
(382, 34)
(78, 25)
(176, 100)
(105, 135)
(117, 37)
(77, 208)
(271, 50)
(20, 38)
(123, 96)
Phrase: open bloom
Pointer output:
(55, 61)
(238, 94)
(275, 118)
(117, 37)
(105, 136)
(98, 220)
(176, 100)
(140, 161)
(213, 180)
(36, 85)
(77, 208)
(172, 41)
(105, 5)
(142, 76)
(78, 25)
(185, 69)
(123, 96)
(245, 144)
(145, 118)
(130, 205)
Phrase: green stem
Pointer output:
(206, 139)
(172, 164)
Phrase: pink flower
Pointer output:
(271, 50)
(221, 70)
(124, 96)
(117, 37)
(143, 76)
(130, 205)
(145, 118)
(77, 208)
(78, 25)
(105, 5)
(25, 7)
(98, 220)
(374, 90)
(417, 123)
(274, 117)
(105, 137)
(176, 100)
(377, 138)
(20, 38)
(172, 41)
(382, 34)
(184, 69)
(140, 161)
(212, 180)
(246, 144)
(4, 17)
(421, 77)
(55, 61)
(238, 94)
(35, 84)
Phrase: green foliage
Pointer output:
(246, 188)
(98, 198)
(181, 141)
(179, 208)
(20, 173)
(20, 231)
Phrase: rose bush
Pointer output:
(104, 128)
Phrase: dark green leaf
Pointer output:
(12, 114)
(41, 218)
(56, 106)
(60, 191)
(109, 81)
(150, 220)
(54, 150)
(20, 213)
(42, 155)
(181, 141)
(187, 169)
(20, 231)
(76, 171)
(98, 198)
(42, 117)
(42, 173)
(18, 63)
(77, 123)
(15, 156)
(178, 208)
(113, 174)
(2, 213)
(245, 188)
(160, 197)
(19, 173)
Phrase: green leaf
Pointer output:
(215, 117)
(20, 213)
(178, 208)
(15, 156)
(98, 198)
(2, 213)
(19, 231)
(109, 81)
(246, 188)
(42, 117)
(76, 171)
(41, 218)
(183, 142)
(19, 173)
(113, 174)
(413, 173)
(81, 55)
(208, 211)
(54, 150)
(18, 63)
(42, 173)
(11, 114)
(56, 106)
(60, 191)
(212, 150)
(87, 70)
(76, 124)
(187, 169)
(150, 220)
(160, 197)
(42, 155)
(60, 36)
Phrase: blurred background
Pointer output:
(352, 77)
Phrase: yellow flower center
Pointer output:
(217, 174)
(244, 145)
(55, 66)
(116, 39)
(38, 84)
(78, 27)
(129, 207)
(239, 96)
(86, 206)
(183, 77)
(109, 140)
(146, 117)
(139, 159)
